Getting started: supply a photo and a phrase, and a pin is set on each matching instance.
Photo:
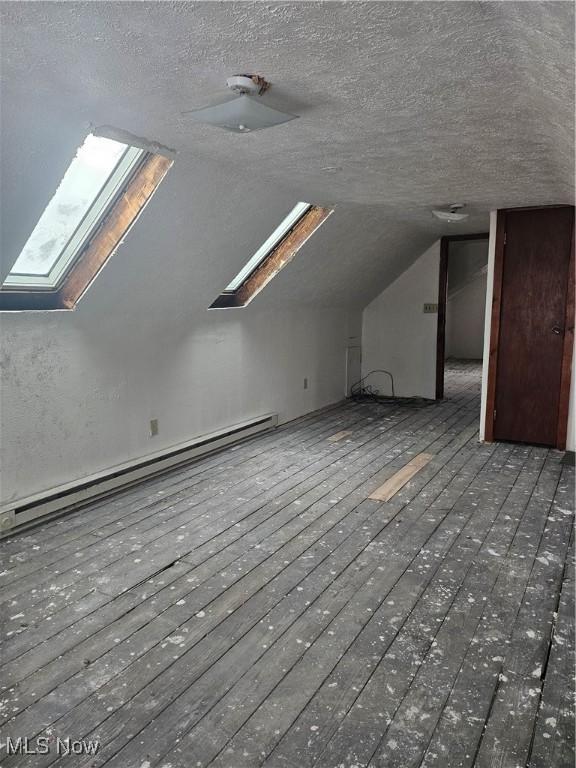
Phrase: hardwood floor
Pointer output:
(257, 608)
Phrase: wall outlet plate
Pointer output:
(305, 383)
(153, 427)
(430, 308)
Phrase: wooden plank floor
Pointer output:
(257, 608)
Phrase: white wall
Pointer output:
(465, 320)
(76, 401)
(398, 336)
(571, 437)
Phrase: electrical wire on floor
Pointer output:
(362, 392)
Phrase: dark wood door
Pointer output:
(534, 293)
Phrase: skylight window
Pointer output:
(82, 224)
(90, 183)
(279, 233)
(277, 251)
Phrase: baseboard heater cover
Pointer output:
(28, 511)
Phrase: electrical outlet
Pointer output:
(430, 308)
(153, 427)
(305, 383)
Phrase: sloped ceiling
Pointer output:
(408, 105)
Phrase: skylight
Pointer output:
(273, 255)
(293, 218)
(90, 185)
(102, 193)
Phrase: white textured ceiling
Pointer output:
(416, 105)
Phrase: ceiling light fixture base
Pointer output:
(248, 84)
(453, 215)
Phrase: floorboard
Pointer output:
(263, 607)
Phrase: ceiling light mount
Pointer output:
(452, 215)
(248, 84)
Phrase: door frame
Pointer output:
(442, 300)
(564, 399)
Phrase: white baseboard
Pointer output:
(26, 511)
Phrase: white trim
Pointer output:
(125, 137)
(488, 320)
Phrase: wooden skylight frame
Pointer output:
(95, 252)
(276, 259)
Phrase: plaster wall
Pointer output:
(398, 336)
(75, 402)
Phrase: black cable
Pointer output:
(353, 389)
(367, 393)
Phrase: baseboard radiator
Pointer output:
(31, 510)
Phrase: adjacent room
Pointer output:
(287, 390)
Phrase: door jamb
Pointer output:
(442, 297)
(564, 404)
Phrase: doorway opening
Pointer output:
(461, 305)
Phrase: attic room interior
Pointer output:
(287, 395)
